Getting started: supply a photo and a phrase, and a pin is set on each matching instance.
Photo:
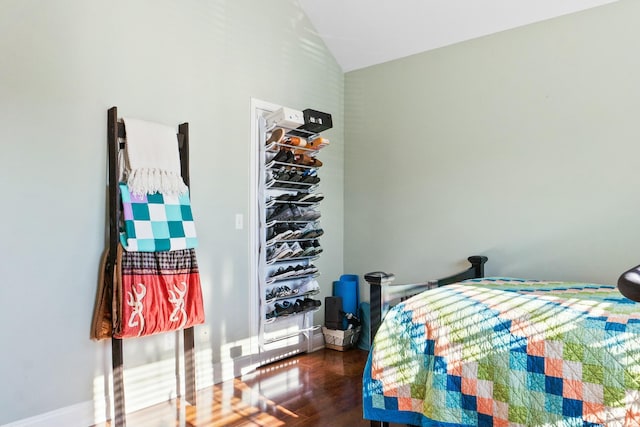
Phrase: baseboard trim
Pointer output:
(82, 414)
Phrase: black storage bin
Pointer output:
(316, 121)
(333, 312)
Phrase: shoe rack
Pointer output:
(289, 236)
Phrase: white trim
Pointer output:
(252, 226)
(80, 415)
(258, 108)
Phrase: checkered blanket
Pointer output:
(507, 352)
(157, 222)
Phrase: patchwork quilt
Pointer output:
(157, 222)
(507, 352)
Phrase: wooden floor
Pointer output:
(323, 388)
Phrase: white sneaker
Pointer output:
(296, 249)
(308, 198)
(310, 269)
(296, 234)
(309, 288)
(280, 236)
(280, 252)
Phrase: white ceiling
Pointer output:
(361, 33)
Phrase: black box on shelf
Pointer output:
(316, 121)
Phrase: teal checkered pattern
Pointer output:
(157, 222)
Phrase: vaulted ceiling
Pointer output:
(361, 33)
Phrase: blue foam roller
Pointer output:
(348, 291)
(352, 278)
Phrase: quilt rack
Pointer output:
(116, 132)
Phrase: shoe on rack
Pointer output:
(318, 197)
(308, 197)
(284, 308)
(271, 233)
(279, 252)
(276, 136)
(306, 160)
(298, 230)
(281, 228)
(304, 197)
(310, 214)
(295, 177)
(299, 270)
(317, 143)
(294, 197)
(296, 250)
(288, 213)
(285, 291)
(285, 175)
(279, 213)
(278, 274)
(322, 142)
(292, 229)
(271, 295)
(310, 269)
(270, 316)
(295, 141)
(284, 156)
(292, 271)
(281, 273)
(298, 306)
(309, 303)
(279, 232)
(280, 292)
(309, 288)
(269, 156)
(310, 179)
(295, 212)
(275, 212)
(285, 197)
(314, 234)
(309, 249)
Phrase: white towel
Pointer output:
(152, 158)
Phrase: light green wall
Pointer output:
(522, 146)
(62, 65)
(519, 145)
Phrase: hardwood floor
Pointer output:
(323, 388)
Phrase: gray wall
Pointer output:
(62, 65)
(522, 146)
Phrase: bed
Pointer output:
(496, 351)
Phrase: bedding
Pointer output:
(152, 158)
(156, 292)
(157, 222)
(507, 352)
